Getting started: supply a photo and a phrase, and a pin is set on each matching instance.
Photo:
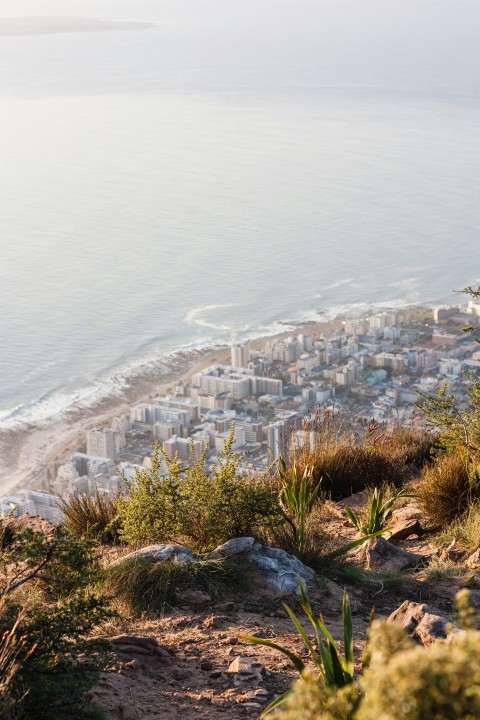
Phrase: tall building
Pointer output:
(276, 439)
(102, 443)
(240, 355)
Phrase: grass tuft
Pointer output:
(93, 516)
(146, 586)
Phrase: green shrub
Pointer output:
(400, 680)
(188, 506)
(92, 516)
(447, 489)
(438, 683)
(466, 529)
(49, 605)
(146, 586)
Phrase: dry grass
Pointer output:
(466, 529)
(142, 586)
(347, 463)
(446, 490)
(93, 516)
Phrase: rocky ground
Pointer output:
(193, 662)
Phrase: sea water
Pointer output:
(210, 169)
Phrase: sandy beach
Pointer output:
(31, 454)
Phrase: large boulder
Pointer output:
(157, 553)
(380, 554)
(403, 529)
(276, 568)
(419, 623)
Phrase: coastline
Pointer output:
(30, 452)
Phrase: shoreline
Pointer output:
(30, 453)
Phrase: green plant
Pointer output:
(334, 670)
(49, 606)
(297, 496)
(399, 679)
(92, 516)
(146, 586)
(380, 510)
(187, 505)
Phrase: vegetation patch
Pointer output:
(141, 585)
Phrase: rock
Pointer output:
(408, 615)
(404, 529)
(452, 555)
(157, 553)
(246, 671)
(206, 665)
(235, 546)
(409, 512)
(232, 640)
(278, 570)
(228, 607)
(473, 560)
(419, 623)
(141, 648)
(431, 628)
(380, 554)
(193, 597)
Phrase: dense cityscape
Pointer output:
(372, 367)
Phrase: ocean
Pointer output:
(184, 173)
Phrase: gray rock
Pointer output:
(431, 628)
(279, 570)
(408, 615)
(473, 560)
(235, 546)
(419, 623)
(379, 554)
(156, 553)
(246, 672)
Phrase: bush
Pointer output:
(188, 506)
(447, 489)
(400, 680)
(49, 607)
(439, 683)
(146, 586)
(93, 516)
(467, 528)
(346, 463)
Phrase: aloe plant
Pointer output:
(380, 509)
(334, 669)
(297, 497)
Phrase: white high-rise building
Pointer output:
(240, 355)
(102, 443)
(276, 439)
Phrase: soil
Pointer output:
(203, 644)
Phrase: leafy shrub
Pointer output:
(93, 516)
(447, 489)
(187, 505)
(49, 607)
(438, 683)
(146, 586)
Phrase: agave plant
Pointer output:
(380, 510)
(297, 497)
(334, 669)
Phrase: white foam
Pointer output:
(192, 317)
(338, 283)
